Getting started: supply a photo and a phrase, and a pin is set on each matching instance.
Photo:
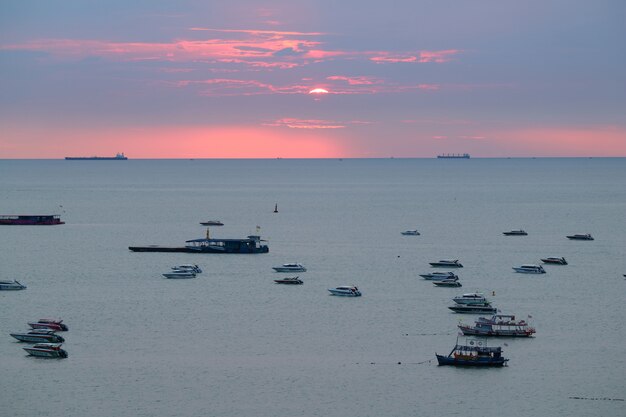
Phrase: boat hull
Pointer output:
(470, 309)
(344, 293)
(470, 331)
(478, 362)
(11, 286)
(186, 249)
(44, 353)
(179, 276)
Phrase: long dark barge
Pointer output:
(252, 244)
(30, 220)
(118, 157)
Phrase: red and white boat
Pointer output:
(52, 324)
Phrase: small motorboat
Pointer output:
(39, 336)
(470, 298)
(51, 324)
(292, 267)
(11, 285)
(447, 263)
(498, 325)
(473, 354)
(529, 269)
(289, 281)
(580, 237)
(448, 283)
(180, 275)
(46, 350)
(554, 261)
(519, 232)
(187, 268)
(212, 223)
(345, 291)
(439, 276)
(410, 233)
(485, 308)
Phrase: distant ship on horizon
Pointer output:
(454, 155)
(118, 157)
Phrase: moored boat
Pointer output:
(251, 244)
(345, 291)
(117, 157)
(529, 269)
(410, 233)
(30, 220)
(515, 233)
(580, 237)
(447, 263)
(46, 350)
(439, 276)
(448, 283)
(498, 325)
(212, 223)
(11, 285)
(554, 261)
(471, 298)
(289, 267)
(52, 324)
(473, 354)
(289, 281)
(180, 275)
(485, 308)
(39, 336)
(187, 268)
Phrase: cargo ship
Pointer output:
(454, 156)
(118, 157)
(251, 244)
(30, 220)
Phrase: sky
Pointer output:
(312, 79)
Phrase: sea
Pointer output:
(231, 342)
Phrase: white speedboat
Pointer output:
(447, 263)
(50, 324)
(289, 281)
(46, 350)
(448, 283)
(346, 291)
(410, 233)
(187, 268)
(470, 298)
(580, 237)
(519, 232)
(11, 285)
(474, 308)
(529, 269)
(293, 267)
(554, 261)
(179, 275)
(39, 336)
(439, 276)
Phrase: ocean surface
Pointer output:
(233, 343)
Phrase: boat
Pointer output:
(454, 156)
(410, 233)
(470, 298)
(580, 237)
(448, 283)
(529, 269)
(30, 220)
(212, 223)
(117, 157)
(289, 281)
(187, 268)
(39, 336)
(11, 285)
(293, 267)
(439, 276)
(473, 354)
(345, 291)
(52, 324)
(46, 350)
(515, 233)
(251, 244)
(485, 308)
(180, 275)
(498, 325)
(554, 261)
(447, 263)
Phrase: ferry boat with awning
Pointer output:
(251, 244)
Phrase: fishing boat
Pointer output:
(46, 350)
(448, 283)
(11, 286)
(473, 354)
(39, 336)
(529, 269)
(498, 325)
(345, 291)
(291, 267)
(554, 261)
(30, 220)
(439, 276)
(515, 233)
(52, 324)
(580, 237)
(410, 233)
(485, 308)
(289, 281)
(447, 263)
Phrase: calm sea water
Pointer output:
(232, 343)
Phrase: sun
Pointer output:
(318, 91)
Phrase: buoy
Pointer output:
(276, 208)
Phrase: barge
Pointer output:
(30, 220)
(251, 244)
(118, 157)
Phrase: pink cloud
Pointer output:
(355, 80)
(420, 57)
(305, 124)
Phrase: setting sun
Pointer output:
(318, 91)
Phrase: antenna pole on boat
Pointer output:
(207, 233)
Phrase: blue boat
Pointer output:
(473, 354)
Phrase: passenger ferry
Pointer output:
(498, 325)
(30, 220)
(473, 354)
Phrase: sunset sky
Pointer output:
(312, 79)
